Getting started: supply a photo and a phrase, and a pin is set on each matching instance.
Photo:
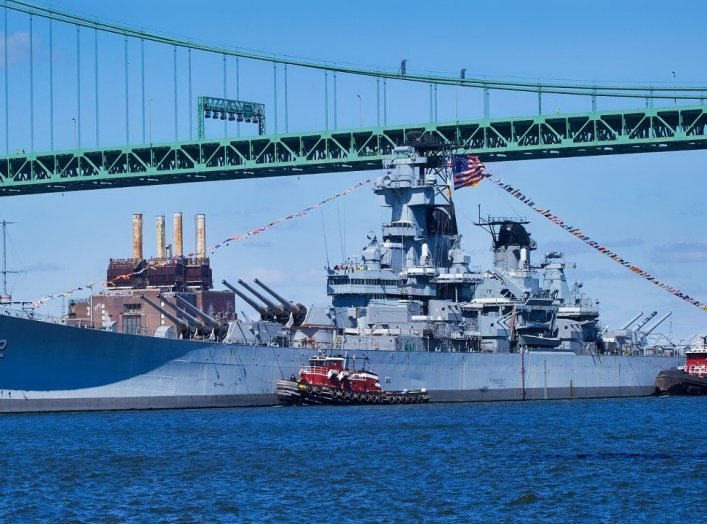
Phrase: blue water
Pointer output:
(634, 460)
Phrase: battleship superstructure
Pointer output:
(412, 307)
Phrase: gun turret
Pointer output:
(265, 314)
(218, 327)
(182, 324)
(195, 323)
(276, 308)
(298, 311)
(277, 311)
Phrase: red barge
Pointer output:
(327, 380)
(690, 379)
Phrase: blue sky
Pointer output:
(649, 208)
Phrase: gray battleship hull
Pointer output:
(53, 367)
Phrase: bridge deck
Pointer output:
(547, 136)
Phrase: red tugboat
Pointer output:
(690, 379)
(326, 380)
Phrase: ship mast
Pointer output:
(4, 257)
(5, 296)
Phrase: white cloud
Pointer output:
(682, 252)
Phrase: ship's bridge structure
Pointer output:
(121, 107)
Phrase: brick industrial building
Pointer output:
(120, 307)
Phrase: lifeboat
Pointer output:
(326, 380)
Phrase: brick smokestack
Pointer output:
(160, 236)
(137, 236)
(178, 234)
(201, 235)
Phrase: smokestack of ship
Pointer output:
(200, 235)
(177, 228)
(160, 237)
(137, 236)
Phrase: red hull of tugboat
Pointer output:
(328, 381)
(298, 393)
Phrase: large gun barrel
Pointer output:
(662, 319)
(646, 320)
(627, 324)
(194, 322)
(277, 310)
(216, 325)
(258, 307)
(298, 311)
(182, 324)
(292, 308)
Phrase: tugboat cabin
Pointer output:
(696, 359)
(320, 364)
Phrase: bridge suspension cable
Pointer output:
(595, 90)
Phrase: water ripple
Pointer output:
(638, 460)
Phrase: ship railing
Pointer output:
(499, 219)
(316, 370)
(31, 315)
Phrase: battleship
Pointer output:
(412, 307)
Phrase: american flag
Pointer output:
(468, 170)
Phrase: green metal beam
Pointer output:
(522, 138)
(231, 109)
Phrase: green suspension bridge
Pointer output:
(46, 166)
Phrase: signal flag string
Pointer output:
(468, 170)
(278, 221)
(153, 264)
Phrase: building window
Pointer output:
(132, 324)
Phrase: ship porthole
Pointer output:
(3, 344)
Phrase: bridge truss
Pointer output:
(537, 137)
